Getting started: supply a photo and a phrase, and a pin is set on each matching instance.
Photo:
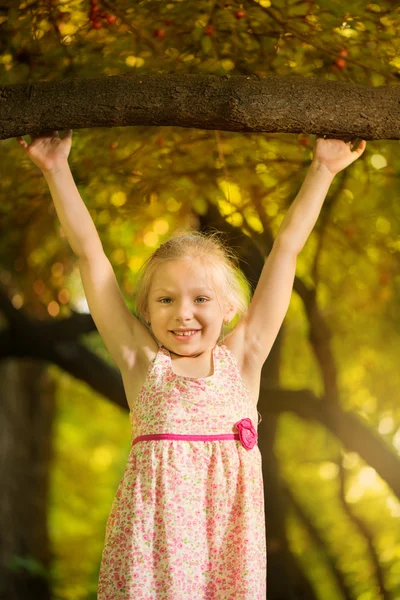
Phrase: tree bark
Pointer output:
(26, 418)
(288, 104)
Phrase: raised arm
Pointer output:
(272, 295)
(123, 334)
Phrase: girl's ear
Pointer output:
(230, 312)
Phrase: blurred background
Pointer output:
(330, 401)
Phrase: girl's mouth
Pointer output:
(185, 335)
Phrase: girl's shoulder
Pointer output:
(135, 377)
(149, 350)
(235, 342)
(250, 371)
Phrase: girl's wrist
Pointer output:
(57, 168)
(319, 167)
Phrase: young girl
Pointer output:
(187, 521)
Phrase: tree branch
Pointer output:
(354, 434)
(289, 104)
(306, 521)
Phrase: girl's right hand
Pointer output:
(48, 151)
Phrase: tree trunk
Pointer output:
(289, 104)
(26, 418)
(285, 577)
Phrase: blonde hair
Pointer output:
(213, 253)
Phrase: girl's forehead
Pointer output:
(183, 274)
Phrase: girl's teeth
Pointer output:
(187, 333)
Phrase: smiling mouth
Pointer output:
(187, 333)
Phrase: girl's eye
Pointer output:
(200, 298)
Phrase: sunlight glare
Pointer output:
(366, 480)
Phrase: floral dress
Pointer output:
(187, 521)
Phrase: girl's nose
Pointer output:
(184, 311)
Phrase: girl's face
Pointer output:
(183, 297)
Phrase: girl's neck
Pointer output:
(184, 355)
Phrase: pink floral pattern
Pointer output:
(188, 519)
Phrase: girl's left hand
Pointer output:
(336, 155)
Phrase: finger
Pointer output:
(359, 150)
(361, 147)
(68, 134)
(22, 142)
(348, 143)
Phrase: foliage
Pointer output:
(141, 184)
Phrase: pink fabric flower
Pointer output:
(247, 433)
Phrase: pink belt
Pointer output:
(177, 436)
(247, 435)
